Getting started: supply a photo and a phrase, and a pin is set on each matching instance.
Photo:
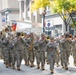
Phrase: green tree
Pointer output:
(39, 4)
(62, 7)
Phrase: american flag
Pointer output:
(14, 27)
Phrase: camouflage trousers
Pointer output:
(26, 56)
(7, 57)
(31, 56)
(52, 59)
(57, 57)
(47, 57)
(61, 58)
(19, 58)
(3, 53)
(65, 56)
(74, 56)
(40, 58)
(13, 57)
(0, 53)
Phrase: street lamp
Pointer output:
(6, 14)
(48, 28)
(43, 16)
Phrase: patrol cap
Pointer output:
(31, 33)
(18, 34)
(42, 34)
(51, 38)
(67, 35)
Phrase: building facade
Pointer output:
(25, 11)
(54, 25)
(25, 14)
(9, 10)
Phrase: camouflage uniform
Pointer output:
(12, 52)
(66, 46)
(61, 52)
(26, 55)
(19, 51)
(52, 49)
(42, 44)
(31, 51)
(47, 55)
(9, 50)
(5, 51)
(74, 51)
(1, 48)
(57, 54)
(37, 52)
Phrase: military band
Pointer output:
(15, 48)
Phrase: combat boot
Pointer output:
(6, 66)
(27, 63)
(75, 63)
(52, 71)
(13, 67)
(32, 65)
(38, 66)
(62, 67)
(4, 62)
(68, 63)
(42, 67)
(9, 64)
(57, 65)
(18, 68)
(47, 63)
(66, 68)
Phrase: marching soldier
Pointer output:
(61, 50)
(12, 51)
(74, 49)
(19, 51)
(26, 55)
(0, 46)
(42, 44)
(57, 52)
(3, 48)
(66, 46)
(30, 50)
(37, 52)
(9, 48)
(5, 43)
(51, 47)
(46, 53)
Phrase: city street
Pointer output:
(26, 70)
(38, 30)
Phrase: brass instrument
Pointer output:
(31, 45)
(22, 34)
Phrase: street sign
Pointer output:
(49, 28)
(3, 20)
(48, 24)
(52, 28)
